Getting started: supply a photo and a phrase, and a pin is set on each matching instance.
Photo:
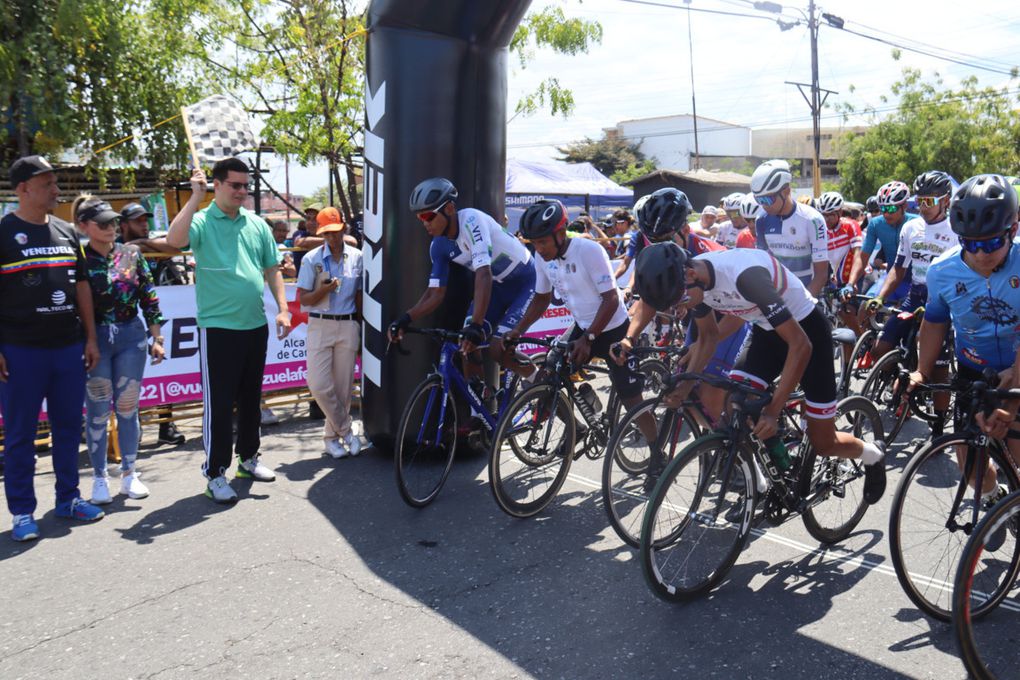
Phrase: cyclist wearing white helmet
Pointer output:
(885, 230)
(750, 211)
(728, 230)
(844, 246)
(792, 231)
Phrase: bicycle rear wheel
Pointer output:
(624, 471)
(880, 388)
(426, 442)
(987, 642)
(835, 486)
(697, 520)
(532, 450)
(925, 542)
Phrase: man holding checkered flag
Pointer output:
(235, 254)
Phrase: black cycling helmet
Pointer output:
(542, 218)
(432, 193)
(871, 205)
(659, 275)
(933, 183)
(663, 213)
(983, 206)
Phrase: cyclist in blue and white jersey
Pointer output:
(976, 286)
(793, 232)
(885, 230)
(504, 269)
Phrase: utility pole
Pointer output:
(694, 101)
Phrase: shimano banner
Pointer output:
(435, 103)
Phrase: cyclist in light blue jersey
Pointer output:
(884, 230)
(976, 286)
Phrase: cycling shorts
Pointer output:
(895, 328)
(626, 379)
(727, 353)
(509, 300)
(897, 295)
(766, 355)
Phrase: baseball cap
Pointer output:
(315, 205)
(133, 211)
(96, 211)
(28, 167)
(329, 220)
(710, 210)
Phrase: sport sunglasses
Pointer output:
(766, 200)
(888, 209)
(930, 201)
(986, 245)
(429, 215)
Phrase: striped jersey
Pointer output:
(39, 267)
(842, 241)
(798, 240)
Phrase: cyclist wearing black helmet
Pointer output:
(503, 267)
(976, 286)
(791, 338)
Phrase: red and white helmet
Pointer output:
(893, 193)
(830, 202)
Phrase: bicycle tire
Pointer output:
(852, 370)
(624, 476)
(980, 658)
(430, 463)
(669, 537)
(925, 556)
(837, 478)
(509, 469)
(879, 389)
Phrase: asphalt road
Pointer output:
(326, 573)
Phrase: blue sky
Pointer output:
(642, 67)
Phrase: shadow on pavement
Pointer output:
(559, 595)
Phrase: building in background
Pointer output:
(703, 187)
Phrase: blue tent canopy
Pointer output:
(579, 186)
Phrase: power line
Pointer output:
(928, 54)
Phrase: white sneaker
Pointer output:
(219, 490)
(269, 418)
(100, 491)
(353, 444)
(254, 469)
(132, 486)
(335, 449)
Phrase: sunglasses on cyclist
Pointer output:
(889, 209)
(429, 215)
(985, 245)
(765, 201)
(931, 201)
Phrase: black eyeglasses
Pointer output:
(239, 186)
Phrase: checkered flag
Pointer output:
(217, 128)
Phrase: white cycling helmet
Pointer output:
(893, 193)
(749, 208)
(770, 177)
(640, 203)
(830, 202)
(732, 202)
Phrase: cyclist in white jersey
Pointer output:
(504, 269)
(728, 231)
(791, 339)
(795, 233)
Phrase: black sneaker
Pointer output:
(314, 412)
(169, 434)
(997, 537)
(874, 482)
(655, 468)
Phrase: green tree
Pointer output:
(83, 74)
(610, 155)
(963, 131)
(633, 171)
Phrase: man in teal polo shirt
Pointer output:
(235, 254)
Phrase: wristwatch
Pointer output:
(590, 336)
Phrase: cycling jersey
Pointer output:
(880, 231)
(580, 277)
(798, 240)
(699, 245)
(985, 311)
(842, 241)
(637, 243)
(745, 239)
(727, 235)
(920, 243)
(480, 242)
(753, 285)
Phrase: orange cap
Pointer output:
(329, 216)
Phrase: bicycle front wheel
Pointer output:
(698, 519)
(988, 569)
(834, 487)
(426, 442)
(625, 483)
(926, 540)
(532, 450)
(881, 389)
(855, 370)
